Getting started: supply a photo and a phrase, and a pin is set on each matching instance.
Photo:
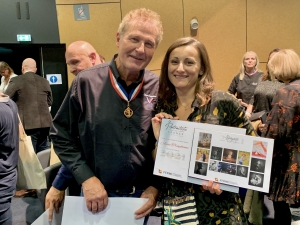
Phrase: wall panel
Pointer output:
(100, 30)
(172, 19)
(228, 29)
(222, 29)
(84, 1)
(272, 24)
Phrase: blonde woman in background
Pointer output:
(264, 93)
(7, 73)
(244, 83)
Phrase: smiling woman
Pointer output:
(186, 91)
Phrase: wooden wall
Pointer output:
(228, 28)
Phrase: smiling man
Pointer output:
(102, 132)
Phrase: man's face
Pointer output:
(136, 46)
(78, 61)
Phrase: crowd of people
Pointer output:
(113, 112)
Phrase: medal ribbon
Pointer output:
(120, 90)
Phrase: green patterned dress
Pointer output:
(226, 208)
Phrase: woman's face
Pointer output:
(4, 72)
(184, 67)
(249, 60)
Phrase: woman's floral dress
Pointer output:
(223, 109)
(283, 125)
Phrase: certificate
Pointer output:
(196, 152)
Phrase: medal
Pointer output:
(128, 112)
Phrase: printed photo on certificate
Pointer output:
(190, 152)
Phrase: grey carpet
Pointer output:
(25, 210)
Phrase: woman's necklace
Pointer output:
(186, 107)
(250, 74)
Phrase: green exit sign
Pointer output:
(24, 37)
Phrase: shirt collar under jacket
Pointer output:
(116, 74)
(4, 98)
(28, 71)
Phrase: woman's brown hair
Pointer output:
(267, 74)
(204, 85)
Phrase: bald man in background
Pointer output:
(80, 55)
(33, 96)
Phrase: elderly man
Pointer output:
(9, 155)
(33, 96)
(79, 55)
(102, 132)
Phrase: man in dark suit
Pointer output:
(33, 96)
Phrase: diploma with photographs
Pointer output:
(194, 152)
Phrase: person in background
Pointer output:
(80, 55)
(244, 83)
(33, 96)
(9, 155)
(264, 92)
(283, 125)
(106, 116)
(7, 73)
(186, 92)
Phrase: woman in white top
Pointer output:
(7, 73)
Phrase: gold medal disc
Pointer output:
(128, 112)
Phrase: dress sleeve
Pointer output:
(230, 112)
(281, 118)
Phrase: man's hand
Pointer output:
(95, 195)
(212, 188)
(54, 199)
(150, 193)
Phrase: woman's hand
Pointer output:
(156, 122)
(213, 188)
(242, 103)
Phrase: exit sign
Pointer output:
(24, 37)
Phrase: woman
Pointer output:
(7, 73)
(265, 90)
(245, 82)
(186, 93)
(283, 125)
